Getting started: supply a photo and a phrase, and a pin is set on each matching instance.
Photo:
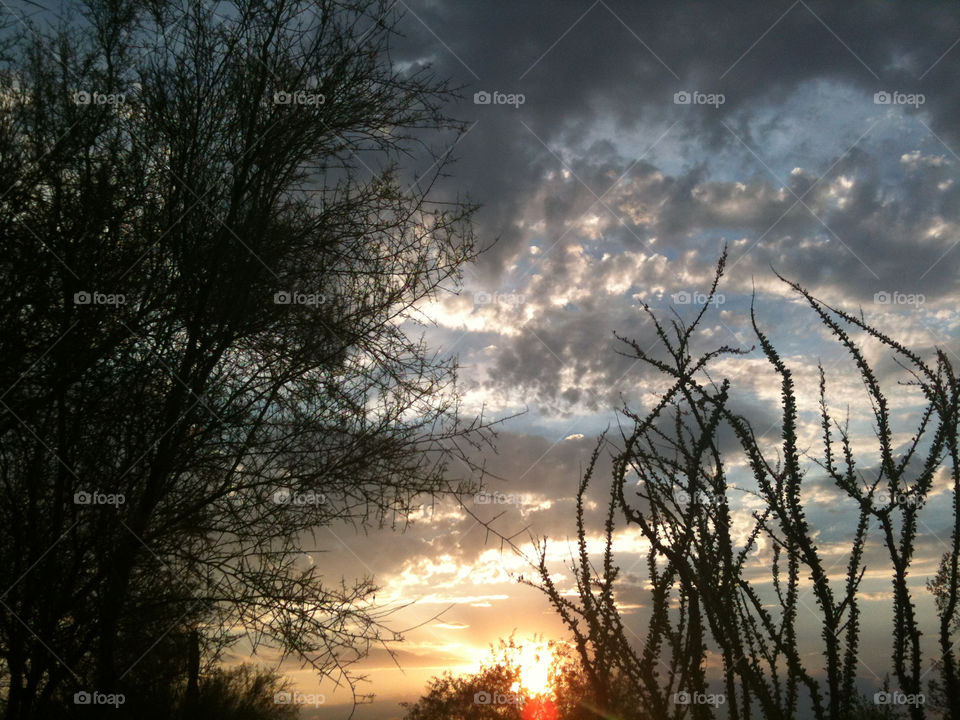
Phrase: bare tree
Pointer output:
(210, 259)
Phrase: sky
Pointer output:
(615, 149)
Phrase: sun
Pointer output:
(534, 661)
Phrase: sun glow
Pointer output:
(534, 661)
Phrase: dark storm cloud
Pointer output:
(617, 65)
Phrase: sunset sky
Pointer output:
(819, 140)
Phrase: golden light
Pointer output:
(534, 661)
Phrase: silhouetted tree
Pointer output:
(208, 252)
(491, 693)
(470, 697)
(475, 696)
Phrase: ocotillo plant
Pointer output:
(672, 480)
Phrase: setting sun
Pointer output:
(534, 662)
